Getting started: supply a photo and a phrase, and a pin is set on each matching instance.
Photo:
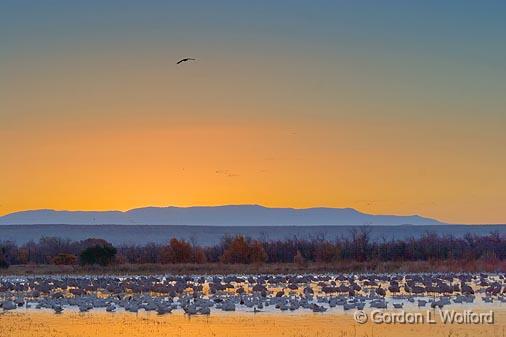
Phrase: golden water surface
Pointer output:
(100, 324)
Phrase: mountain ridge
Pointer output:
(225, 215)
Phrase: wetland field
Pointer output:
(254, 305)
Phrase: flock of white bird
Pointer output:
(256, 293)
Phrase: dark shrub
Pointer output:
(3, 261)
(101, 254)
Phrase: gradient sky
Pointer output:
(389, 107)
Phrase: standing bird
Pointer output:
(186, 59)
(380, 291)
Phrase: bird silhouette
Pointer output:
(186, 59)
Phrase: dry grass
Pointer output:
(274, 268)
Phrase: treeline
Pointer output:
(241, 250)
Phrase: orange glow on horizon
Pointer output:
(232, 162)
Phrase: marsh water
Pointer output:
(97, 324)
(290, 305)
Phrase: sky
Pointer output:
(391, 107)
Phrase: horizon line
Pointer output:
(251, 205)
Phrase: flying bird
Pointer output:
(186, 59)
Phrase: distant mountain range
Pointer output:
(229, 215)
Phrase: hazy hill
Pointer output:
(230, 215)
